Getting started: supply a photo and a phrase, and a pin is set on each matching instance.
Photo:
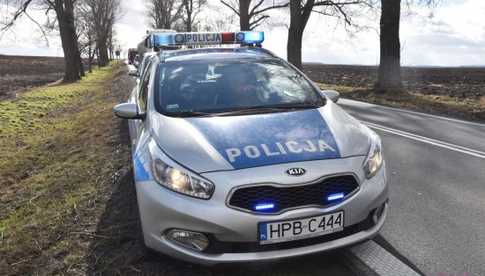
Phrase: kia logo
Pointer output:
(296, 171)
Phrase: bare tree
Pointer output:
(86, 33)
(216, 24)
(300, 11)
(191, 9)
(111, 43)
(389, 73)
(104, 14)
(164, 14)
(251, 13)
(64, 12)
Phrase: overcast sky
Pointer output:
(452, 34)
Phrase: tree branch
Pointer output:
(257, 22)
(333, 3)
(338, 6)
(344, 14)
(229, 6)
(272, 7)
(256, 7)
(323, 13)
(40, 27)
(21, 10)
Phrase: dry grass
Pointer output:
(482, 101)
(57, 152)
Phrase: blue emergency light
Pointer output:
(267, 206)
(176, 39)
(336, 196)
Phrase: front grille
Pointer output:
(283, 198)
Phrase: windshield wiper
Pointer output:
(190, 113)
(296, 105)
(267, 109)
(247, 110)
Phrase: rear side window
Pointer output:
(227, 85)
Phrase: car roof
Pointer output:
(215, 53)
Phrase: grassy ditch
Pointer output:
(465, 108)
(67, 200)
(59, 149)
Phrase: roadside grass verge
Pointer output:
(465, 108)
(59, 148)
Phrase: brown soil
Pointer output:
(454, 82)
(455, 92)
(18, 73)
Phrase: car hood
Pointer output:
(205, 144)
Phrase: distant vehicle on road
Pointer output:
(239, 157)
(149, 43)
(132, 52)
(140, 69)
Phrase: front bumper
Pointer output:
(161, 210)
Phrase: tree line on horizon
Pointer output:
(86, 26)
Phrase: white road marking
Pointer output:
(354, 102)
(379, 260)
(438, 143)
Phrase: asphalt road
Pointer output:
(436, 222)
(436, 170)
(126, 254)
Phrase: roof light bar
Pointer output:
(243, 38)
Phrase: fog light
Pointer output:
(188, 239)
(378, 213)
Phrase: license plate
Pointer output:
(282, 231)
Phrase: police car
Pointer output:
(138, 70)
(239, 157)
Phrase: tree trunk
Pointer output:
(189, 22)
(244, 14)
(103, 53)
(90, 54)
(299, 16)
(81, 67)
(294, 44)
(389, 75)
(67, 30)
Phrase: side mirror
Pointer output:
(128, 111)
(333, 95)
(133, 72)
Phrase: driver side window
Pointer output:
(143, 94)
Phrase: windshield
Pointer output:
(210, 87)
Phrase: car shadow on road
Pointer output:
(117, 245)
(117, 248)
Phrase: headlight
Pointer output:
(374, 158)
(181, 181)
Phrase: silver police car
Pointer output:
(239, 157)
